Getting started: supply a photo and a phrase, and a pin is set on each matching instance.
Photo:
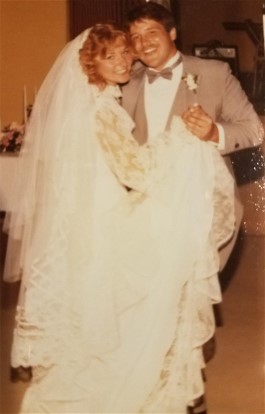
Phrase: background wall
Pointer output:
(32, 33)
(202, 21)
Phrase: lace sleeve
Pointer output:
(135, 166)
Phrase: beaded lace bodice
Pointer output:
(135, 166)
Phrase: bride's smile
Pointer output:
(115, 65)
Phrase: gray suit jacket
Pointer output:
(221, 96)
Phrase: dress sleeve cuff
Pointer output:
(220, 145)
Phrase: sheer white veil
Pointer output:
(58, 163)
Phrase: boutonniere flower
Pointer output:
(191, 81)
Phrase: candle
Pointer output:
(25, 104)
(35, 94)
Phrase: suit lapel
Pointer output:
(133, 102)
(184, 97)
(140, 131)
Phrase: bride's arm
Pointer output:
(135, 166)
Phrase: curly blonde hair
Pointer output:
(100, 38)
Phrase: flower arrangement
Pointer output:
(11, 137)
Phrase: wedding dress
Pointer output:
(119, 254)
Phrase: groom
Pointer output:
(204, 93)
(165, 83)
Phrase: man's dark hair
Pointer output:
(151, 11)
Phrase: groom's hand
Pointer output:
(199, 123)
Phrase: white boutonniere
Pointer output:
(191, 81)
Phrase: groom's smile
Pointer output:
(153, 45)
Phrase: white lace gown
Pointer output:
(119, 281)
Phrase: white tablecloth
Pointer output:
(8, 172)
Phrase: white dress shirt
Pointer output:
(159, 97)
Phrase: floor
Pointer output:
(235, 377)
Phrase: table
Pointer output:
(8, 173)
(8, 176)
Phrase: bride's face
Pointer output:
(116, 64)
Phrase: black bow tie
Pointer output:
(164, 73)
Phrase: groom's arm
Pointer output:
(199, 123)
(236, 117)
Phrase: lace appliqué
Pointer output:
(136, 167)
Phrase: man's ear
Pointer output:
(173, 34)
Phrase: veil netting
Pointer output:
(64, 189)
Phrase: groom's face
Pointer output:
(153, 45)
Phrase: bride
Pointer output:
(119, 245)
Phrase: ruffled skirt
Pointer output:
(116, 301)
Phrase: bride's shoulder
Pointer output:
(108, 105)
